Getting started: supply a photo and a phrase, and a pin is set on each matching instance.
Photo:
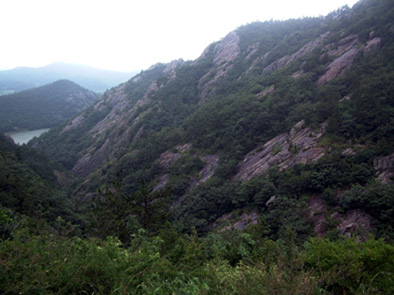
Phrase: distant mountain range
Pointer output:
(97, 80)
(43, 107)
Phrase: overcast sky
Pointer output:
(128, 35)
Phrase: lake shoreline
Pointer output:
(22, 137)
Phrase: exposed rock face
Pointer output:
(89, 162)
(184, 148)
(349, 152)
(170, 67)
(285, 150)
(74, 123)
(121, 112)
(169, 157)
(338, 66)
(211, 162)
(344, 45)
(225, 51)
(252, 49)
(298, 74)
(265, 92)
(372, 45)
(385, 168)
(278, 64)
(163, 180)
(354, 222)
(228, 221)
(348, 50)
(118, 101)
(384, 163)
(270, 201)
(317, 213)
(207, 83)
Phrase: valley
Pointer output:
(264, 166)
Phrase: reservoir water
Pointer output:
(22, 137)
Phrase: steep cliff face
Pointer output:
(223, 54)
(285, 150)
(113, 133)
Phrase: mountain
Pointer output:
(93, 79)
(43, 107)
(288, 121)
(266, 166)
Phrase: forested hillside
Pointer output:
(31, 184)
(297, 112)
(265, 166)
(43, 107)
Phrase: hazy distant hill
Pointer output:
(44, 106)
(93, 79)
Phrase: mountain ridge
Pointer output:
(98, 80)
(254, 86)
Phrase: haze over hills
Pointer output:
(265, 166)
(43, 107)
(97, 80)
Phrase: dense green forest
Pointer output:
(265, 166)
(43, 107)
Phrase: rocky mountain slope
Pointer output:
(278, 119)
(43, 107)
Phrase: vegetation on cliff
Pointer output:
(263, 167)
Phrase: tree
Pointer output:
(119, 214)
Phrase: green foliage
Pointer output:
(377, 200)
(28, 183)
(43, 107)
(222, 263)
(192, 255)
(117, 214)
(352, 267)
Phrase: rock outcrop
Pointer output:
(211, 163)
(348, 49)
(354, 222)
(285, 150)
(343, 46)
(338, 66)
(385, 168)
(121, 111)
(372, 46)
(284, 61)
(317, 214)
(225, 51)
(229, 221)
(265, 92)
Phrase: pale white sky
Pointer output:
(131, 35)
